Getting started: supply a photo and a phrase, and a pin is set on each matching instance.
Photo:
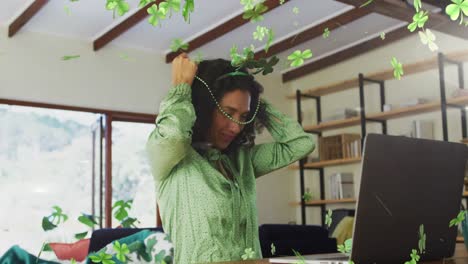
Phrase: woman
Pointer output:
(204, 161)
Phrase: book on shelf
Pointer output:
(422, 129)
(342, 146)
(341, 186)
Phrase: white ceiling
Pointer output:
(88, 19)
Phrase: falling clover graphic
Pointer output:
(260, 33)
(419, 19)
(397, 68)
(271, 36)
(382, 35)
(417, 5)
(120, 6)
(255, 14)
(102, 257)
(121, 250)
(70, 57)
(295, 10)
(457, 9)
(157, 13)
(189, 6)
(178, 44)
(460, 217)
(422, 240)
(299, 256)
(144, 3)
(428, 38)
(273, 249)
(366, 3)
(249, 254)
(328, 218)
(281, 2)
(248, 4)
(326, 33)
(173, 5)
(346, 247)
(298, 57)
(414, 257)
(307, 196)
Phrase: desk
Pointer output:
(460, 257)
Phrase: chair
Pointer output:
(101, 237)
(305, 239)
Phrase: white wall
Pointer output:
(31, 69)
(424, 84)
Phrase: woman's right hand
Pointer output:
(183, 70)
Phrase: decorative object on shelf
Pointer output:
(341, 185)
(422, 129)
(341, 146)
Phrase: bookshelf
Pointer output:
(436, 62)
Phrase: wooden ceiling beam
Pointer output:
(25, 16)
(392, 8)
(220, 30)
(314, 32)
(122, 27)
(349, 53)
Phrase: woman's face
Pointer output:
(223, 131)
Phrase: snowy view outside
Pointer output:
(45, 160)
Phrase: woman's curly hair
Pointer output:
(214, 73)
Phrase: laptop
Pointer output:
(405, 182)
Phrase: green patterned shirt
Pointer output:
(208, 216)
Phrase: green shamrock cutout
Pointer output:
(52, 221)
(417, 5)
(328, 218)
(248, 4)
(122, 250)
(299, 256)
(326, 33)
(271, 36)
(255, 14)
(249, 254)
(295, 10)
(382, 35)
(414, 257)
(366, 3)
(70, 57)
(144, 3)
(87, 220)
(397, 68)
(456, 221)
(67, 10)
(189, 6)
(298, 57)
(457, 9)
(419, 19)
(273, 249)
(428, 38)
(173, 5)
(260, 33)
(422, 240)
(120, 6)
(157, 13)
(178, 44)
(102, 257)
(307, 196)
(346, 247)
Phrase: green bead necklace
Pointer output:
(224, 112)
